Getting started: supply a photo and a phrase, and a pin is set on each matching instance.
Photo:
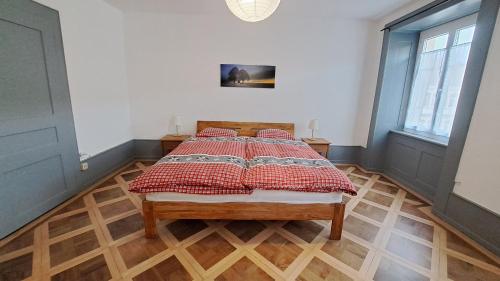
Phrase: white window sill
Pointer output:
(442, 141)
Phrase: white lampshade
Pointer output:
(177, 121)
(314, 124)
(252, 10)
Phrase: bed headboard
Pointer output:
(246, 129)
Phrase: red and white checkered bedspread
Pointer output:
(198, 166)
(236, 165)
(275, 164)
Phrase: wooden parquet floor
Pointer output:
(386, 237)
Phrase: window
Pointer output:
(439, 72)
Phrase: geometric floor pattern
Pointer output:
(386, 236)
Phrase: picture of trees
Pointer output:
(247, 76)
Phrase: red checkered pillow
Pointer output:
(275, 134)
(217, 132)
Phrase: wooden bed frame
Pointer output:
(153, 210)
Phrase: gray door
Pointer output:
(38, 153)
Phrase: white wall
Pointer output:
(173, 69)
(368, 86)
(95, 60)
(477, 178)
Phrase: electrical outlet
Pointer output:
(84, 166)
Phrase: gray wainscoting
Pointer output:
(341, 154)
(110, 160)
(106, 162)
(147, 149)
(414, 162)
(478, 223)
(344, 154)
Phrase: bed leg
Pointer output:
(337, 221)
(149, 219)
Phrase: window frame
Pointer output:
(452, 29)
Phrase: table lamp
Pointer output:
(313, 125)
(178, 124)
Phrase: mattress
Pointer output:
(258, 196)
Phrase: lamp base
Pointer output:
(312, 135)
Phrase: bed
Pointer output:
(247, 192)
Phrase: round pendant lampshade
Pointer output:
(252, 10)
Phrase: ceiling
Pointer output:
(358, 9)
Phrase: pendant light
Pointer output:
(252, 10)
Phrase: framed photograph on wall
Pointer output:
(247, 76)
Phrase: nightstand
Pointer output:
(170, 142)
(320, 145)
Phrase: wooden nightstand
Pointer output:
(320, 145)
(170, 142)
